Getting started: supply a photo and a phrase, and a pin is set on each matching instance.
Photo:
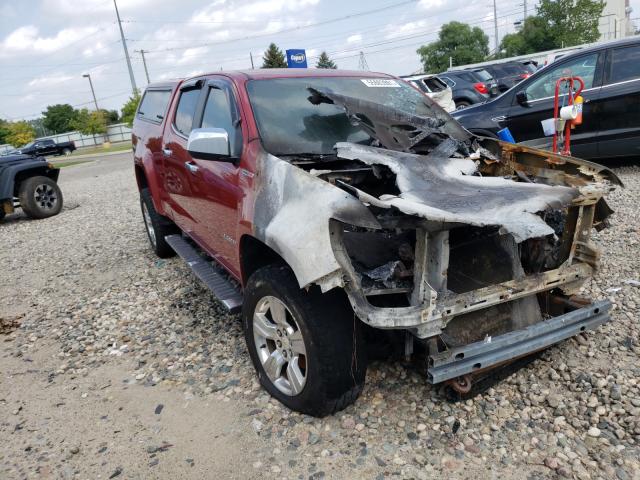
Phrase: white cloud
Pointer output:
(430, 4)
(27, 39)
(77, 8)
(55, 79)
(354, 39)
(409, 28)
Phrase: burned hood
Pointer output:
(447, 189)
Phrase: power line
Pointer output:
(355, 48)
(290, 29)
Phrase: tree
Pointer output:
(325, 62)
(58, 118)
(111, 116)
(4, 131)
(458, 41)
(553, 28)
(274, 58)
(19, 133)
(129, 109)
(90, 123)
(534, 37)
(572, 22)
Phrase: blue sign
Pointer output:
(296, 58)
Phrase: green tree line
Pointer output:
(557, 24)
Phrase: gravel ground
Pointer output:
(90, 316)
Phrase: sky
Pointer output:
(47, 45)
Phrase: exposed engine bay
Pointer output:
(463, 238)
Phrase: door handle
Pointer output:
(167, 152)
(192, 167)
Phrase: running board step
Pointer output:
(221, 288)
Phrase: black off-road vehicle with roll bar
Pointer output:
(31, 183)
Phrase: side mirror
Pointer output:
(521, 98)
(210, 144)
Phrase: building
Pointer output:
(615, 21)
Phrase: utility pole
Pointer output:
(251, 57)
(525, 9)
(144, 62)
(86, 75)
(126, 52)
(495, 26)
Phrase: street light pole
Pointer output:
(86, 75)
(126, 52)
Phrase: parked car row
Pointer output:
(610, 119)
(457, 89)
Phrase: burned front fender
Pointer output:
(292, 213)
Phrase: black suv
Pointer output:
(611, 112)
(469, 87)
(31, 183)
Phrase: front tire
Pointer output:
(40, 197)
(157, 226)
(66, 152)
(306, 346)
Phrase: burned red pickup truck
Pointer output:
(330, 204)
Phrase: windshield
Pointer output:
(29, 145)
(290, 124)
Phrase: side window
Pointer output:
(625, 64)
(153, 105)
(448, 81)
(217, 114)
(545, 85)
(421, 85)
(186, 110)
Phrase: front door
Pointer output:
(524, 121)
(214, 184)
(620, 114)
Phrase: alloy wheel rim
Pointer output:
(148, 224)
(280, 345)
(45, 196)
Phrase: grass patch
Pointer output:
(70, 163)
(118, 147)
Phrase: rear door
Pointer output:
(215, 189)
(524, 121)
(620, 106)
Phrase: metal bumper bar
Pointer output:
(494, 351)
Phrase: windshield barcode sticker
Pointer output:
(379, 82)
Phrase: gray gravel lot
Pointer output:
(123, 366)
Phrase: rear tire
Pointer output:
(318, 332)
(66, 152)
(157, 226)
(462, 104)
(40, 197)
